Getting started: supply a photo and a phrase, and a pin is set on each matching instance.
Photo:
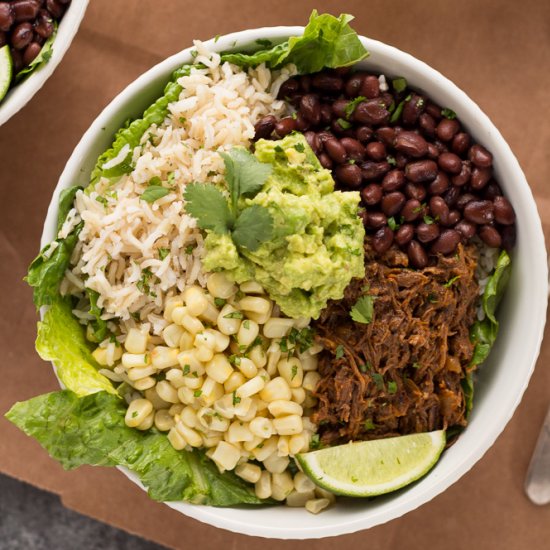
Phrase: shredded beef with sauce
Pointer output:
(401, 373)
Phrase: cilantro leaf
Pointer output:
(209, 207)
(362, 311)
(350, 107)
(153, 193)
(253, 226)
(244, 173)
(339, 352)
(399, 84)
(448, 113)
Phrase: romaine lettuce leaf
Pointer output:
(91, 430)
(61, 340)
(327, 42)
(43, 57)
(132, 133)
(484, 333)
(66, 200)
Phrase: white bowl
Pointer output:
(22, 93)
(503, 378)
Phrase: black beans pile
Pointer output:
(26, 24)
(425, 184)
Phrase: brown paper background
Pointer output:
(496, 51)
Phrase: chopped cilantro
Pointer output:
(220, 302)
(339, 351)
(153, 193)
(392, 387)
(448, 113)
(294, 372)
(428, 220)
(186, 369)
(300, 147)
(363, 310)
(392, 224)
(369, 425)
(189, 249)
(314, 443)
(102, 200)
(278, 149)
(391, 160)
(236, 400)
(197, 393)
(365, 367)
(350, 107)
(163, 252)
(378, 379)
(416, 365)
(246, 324)
(450, 282)
(234, 315)
(399, 84)
(344, 124)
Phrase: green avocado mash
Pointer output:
(317, 244)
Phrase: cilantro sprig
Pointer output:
(362, 311)
(245, 175)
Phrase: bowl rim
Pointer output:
(423, 492)
(18, 96)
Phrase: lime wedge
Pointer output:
(6, 69)
(369, 468)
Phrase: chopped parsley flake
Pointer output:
(220, 302)
(339, 352)
(448, 113)
(234, 315)
(392, 387)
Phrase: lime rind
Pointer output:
(372, 468)
(6, 70)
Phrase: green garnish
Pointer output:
(350, 107)
(300, 147)
(450, 282)
(392, 224)
(246, 324)
(197, 393)
(378, 379)
(153, 193)
(314, 442)
(236, 400)
(369, 425)
(365, 367)
(448, 113)
(428, 220)
(245, 175)
(163, 252)
(399, 84)
(391, 160)
(392, 387)
(416, 366)
(186, 369)
(362, 311)
(339, 351)
(344, 124)
(294, 372)
(234, 315)
(189, 249)
(220, 302)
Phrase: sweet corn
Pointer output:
(247, 367)
(158, 403)
(176, 440)
(219, 368)
(148, 422)
(204, 354)
(238, 431)
(298, 443)
(170, 305)
(281, 485)
(189, 362)
(167, 392)
(298, 395)
(220, 286)
(277, 327)
(235, 380)
(172, 335)
(226, 455)
(250, 413)
(228, 320)
(251, 287)
(210, 392)
(134, 360)
(195, 300)
(322, 493)
(164, 358)
(282, 407)
(191, 436)
(247, 333)
(303, 484)
(282, 446)
(221, 341)
(276, 389)
(193, 382)
(269, 447)
(276, 464)
(137, 412)
(186, 341)
(261, 427)
(291, 371)
(316, 505)
(176, 378)
(192, 324)
(253, 386)
(100, 355)
(144, 383)
(262, 488)
(311, 379)
(253, 443)
(255, 304)
(163, 421)
(136, 340)
(210, 314)
(258, 356)
(249, 472)
(298, 500)
(189, 417)
(141, 372)
(288, 425)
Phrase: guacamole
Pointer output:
(317, 244)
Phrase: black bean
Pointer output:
(363, 134)
(490, 236)
(284, 126)
(441, 147)
(370, 87)
(31, 52)
(411, 143)
(339, 107)
(427, 232)
(376, 151)
(427, 124)
(508, 234)
(480, 156)
(353, 84)
(464, 199)
(310, 107)
(305, 83)
(504, 212)
(44, 25)
(415, 191)
(371, 194)
(374, 170)
(264, 127)
(433, 151)
(17, 58)
(387, 99)
(327, 82)
(433, 110)
(466, 229)
(364, 217)
(461, 143)
(313, 141)
(450, 162)
(354, 148)
(417, 255)
(421, 171)
(452, 219)
(480, 212)
(335, 151)
(412, 110)
(386, 135)
(21, 36)
(463, 177)
(393, 180)
(27, 10)
(371, 112)
(337, 128)
(55, 7)
(412, 210)
(439, 185)
(439, 209)
(404, 234)
(447, 129)
(451, 196)
(480, 177)
(377, 220)
(325, 160)
(6, 16)
(382, 239)
(492, 190)
(392, 203)
(349, 175)
(288, 88)
(447, 242)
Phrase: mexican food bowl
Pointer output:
(502, 379)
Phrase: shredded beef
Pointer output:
(401, 373)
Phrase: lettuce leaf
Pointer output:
(484, 333)
(327, 41)
(91, 430)
(43, 57)
(133, 132)
(61, 340)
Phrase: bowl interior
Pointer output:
(501, 381)
(22, 93)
